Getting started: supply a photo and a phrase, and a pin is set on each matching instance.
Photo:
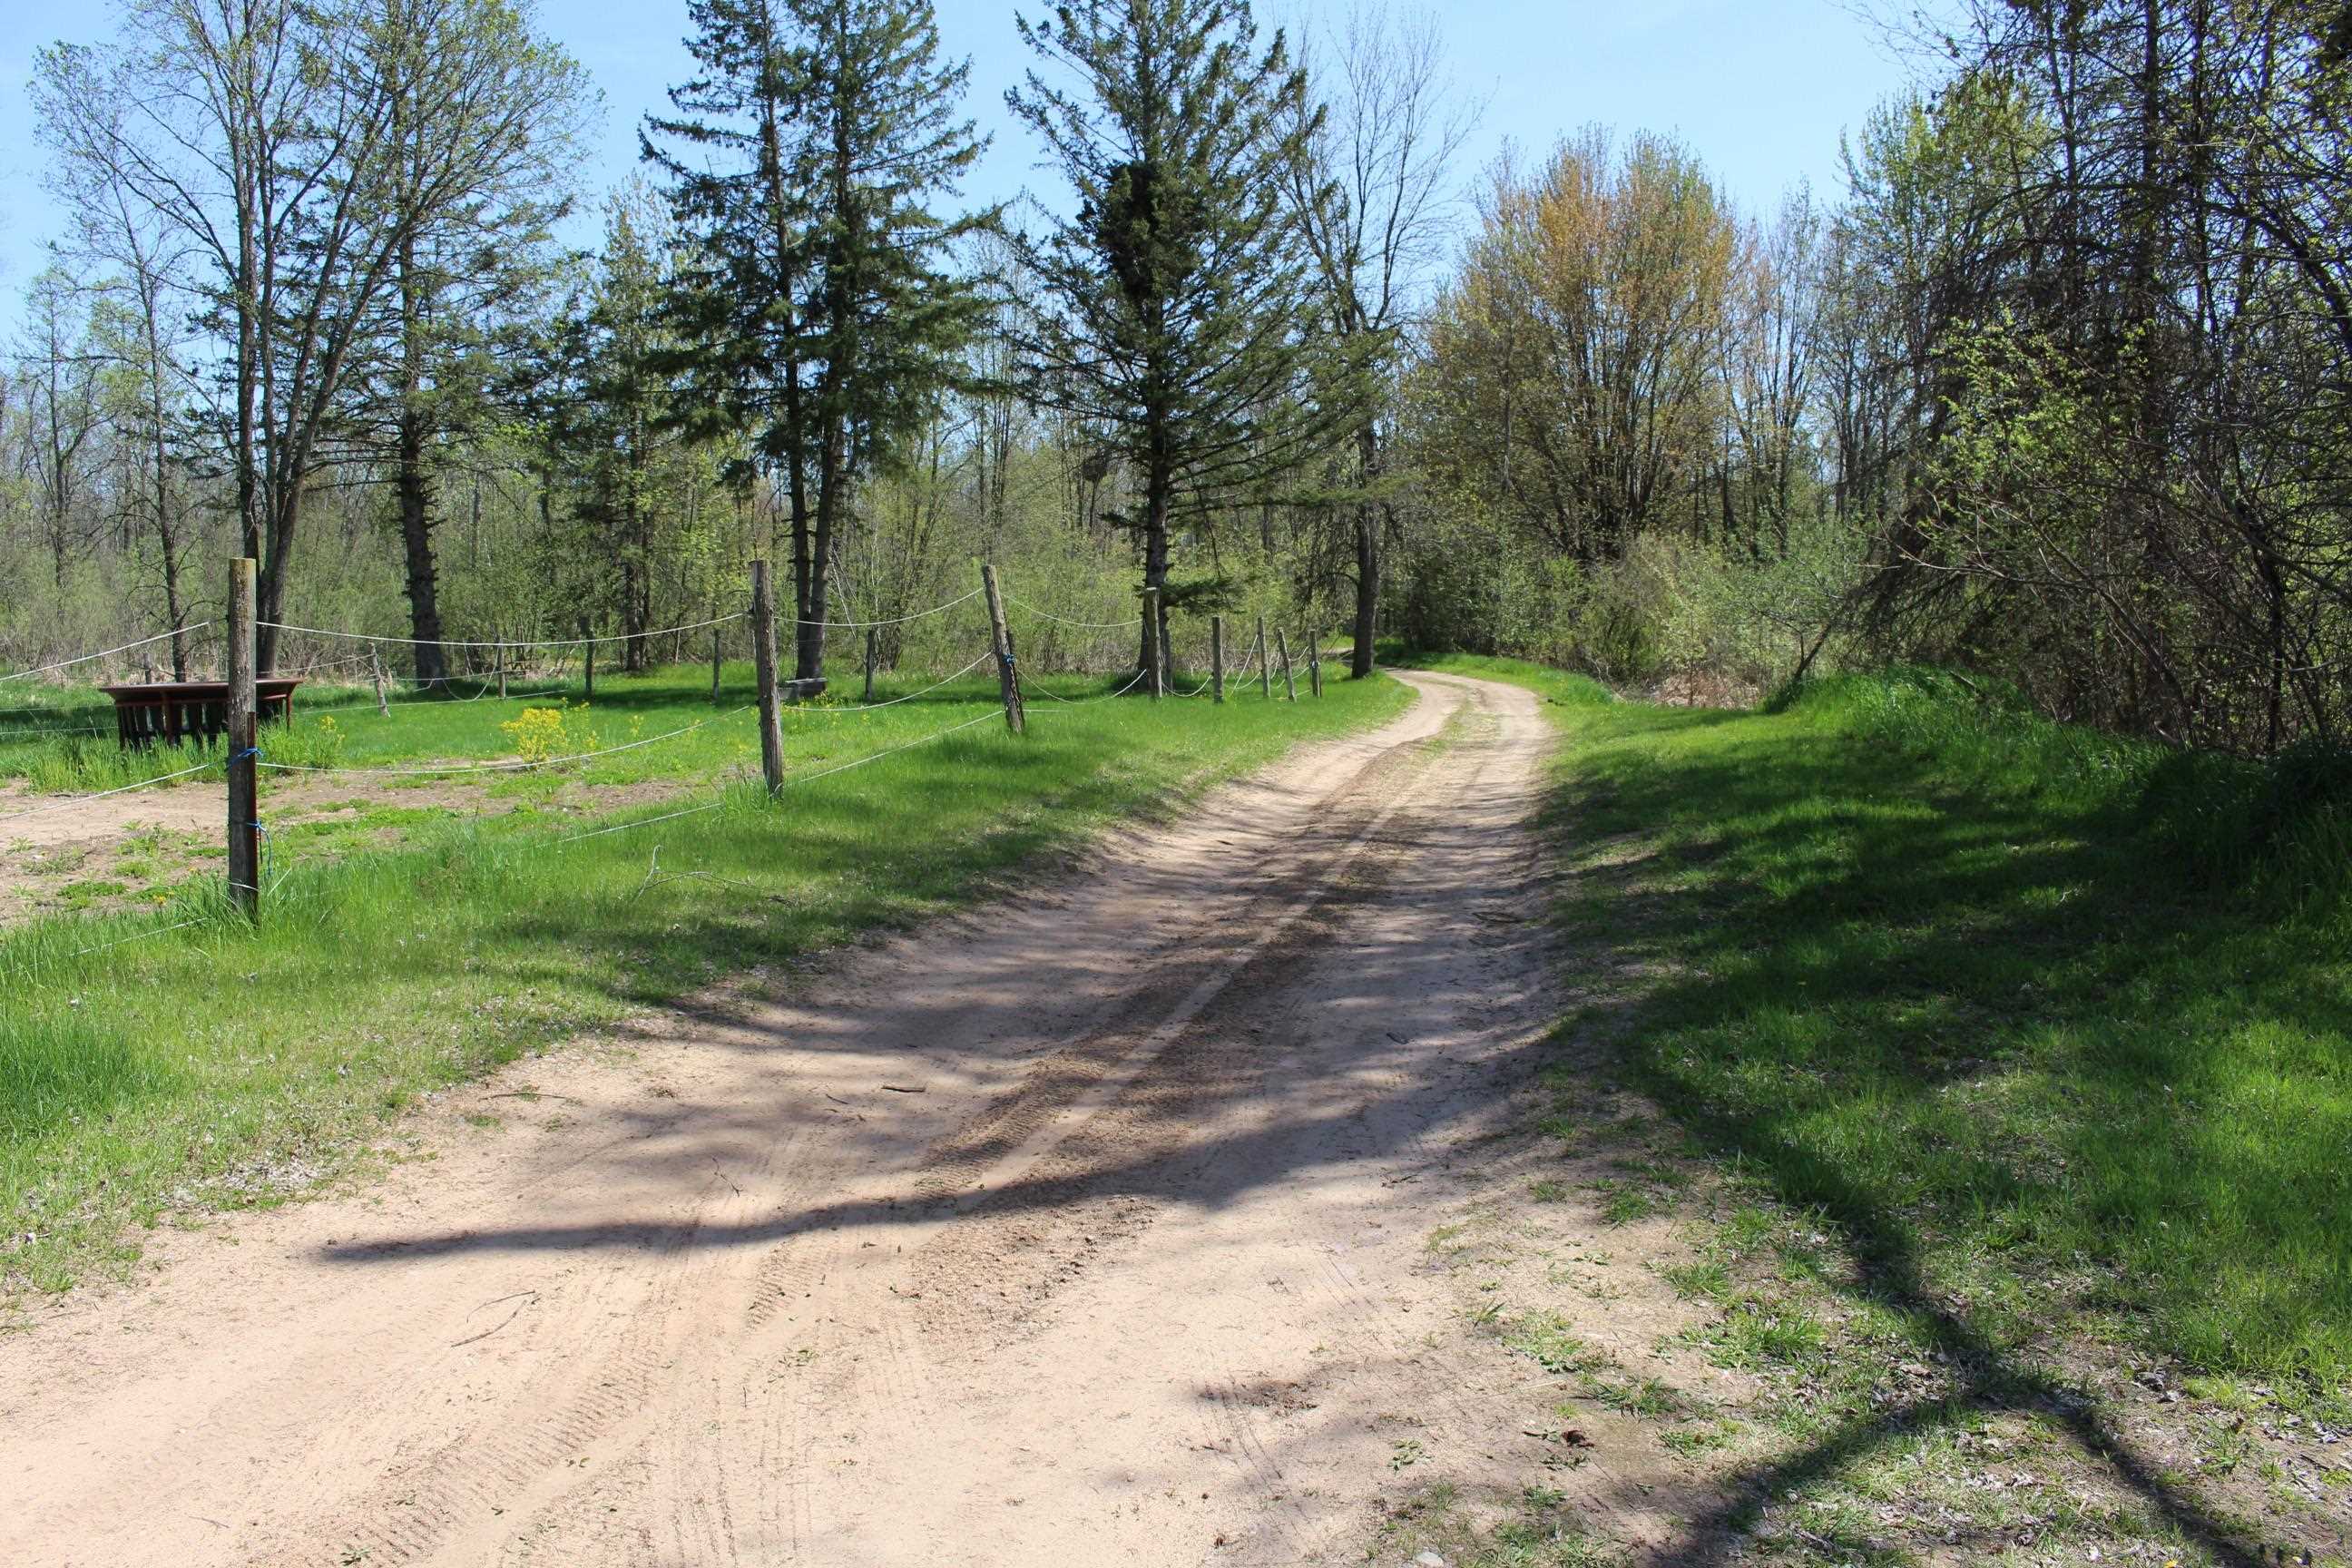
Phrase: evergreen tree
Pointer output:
(1177, 299)
(825, 306)
(615, 431)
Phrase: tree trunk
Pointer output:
(1156, 489)
(1368, 560)
(812, 554)
(416, 539)
(414, 486)
(279, 552)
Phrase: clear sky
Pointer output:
(1760, 88)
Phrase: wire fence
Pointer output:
(507, 644)
(273, 877)
(104, 653)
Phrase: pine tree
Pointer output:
(1176, 316)
(825, 306)
(616, 431)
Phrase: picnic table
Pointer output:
(172, 712)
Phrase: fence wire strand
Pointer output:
(521, 764)
(926, 692)
(105, 653)
(795, 780)
(67, 800)
(515, 644)
(1065, 620)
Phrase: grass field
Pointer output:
(216, 1065)
(338, 726)
(2053, 1030)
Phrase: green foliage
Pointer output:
(1670, 604)
(1173, 310)
(1939, 969)
(818, 319)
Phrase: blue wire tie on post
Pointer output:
(269, 851)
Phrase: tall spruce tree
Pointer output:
(1176, 304)
(627, 398)
(822, 311)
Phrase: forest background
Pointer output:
(2046, 381)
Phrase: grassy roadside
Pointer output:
(2003, 1076)
(338, 726)
(393, 779)
(214, 1066)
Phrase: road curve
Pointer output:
(1088, 1228)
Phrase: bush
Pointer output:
(1671, 605)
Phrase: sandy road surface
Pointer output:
(1137, 1276)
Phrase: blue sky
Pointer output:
(1759, 89)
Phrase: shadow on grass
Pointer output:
(1926, 1011)
(1983, 1029)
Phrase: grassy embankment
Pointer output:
(2056, 1028)
(176, 1072)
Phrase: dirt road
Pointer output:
(1089, 1229)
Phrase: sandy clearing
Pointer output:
(58, 839)
(1139, 1274)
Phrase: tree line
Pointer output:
(2054, 391)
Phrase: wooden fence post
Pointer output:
(763, 663)
(376, 664)
(1313, 663)
(1153, 655)
(1289, 687)
(1217, 658)
(869, 664)
(1264, 667)
(588, 659)
(499, 653)
(243, 733)
(1008, 678)
(714, 665)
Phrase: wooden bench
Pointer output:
(175, 711)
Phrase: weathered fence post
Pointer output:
(1264, 668)
(1008, 678)
(1289, 687)
(375, 664)
(1153, 657)
(1217, 658)
(499, 653)
(244, 734)
(1314, 662)
(763, 663)
(714, 665)
(869, 664)
(588, 657)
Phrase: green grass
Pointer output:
(338, 726)
(1537, 1528)
(221, 1065)
(2052, 1030)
